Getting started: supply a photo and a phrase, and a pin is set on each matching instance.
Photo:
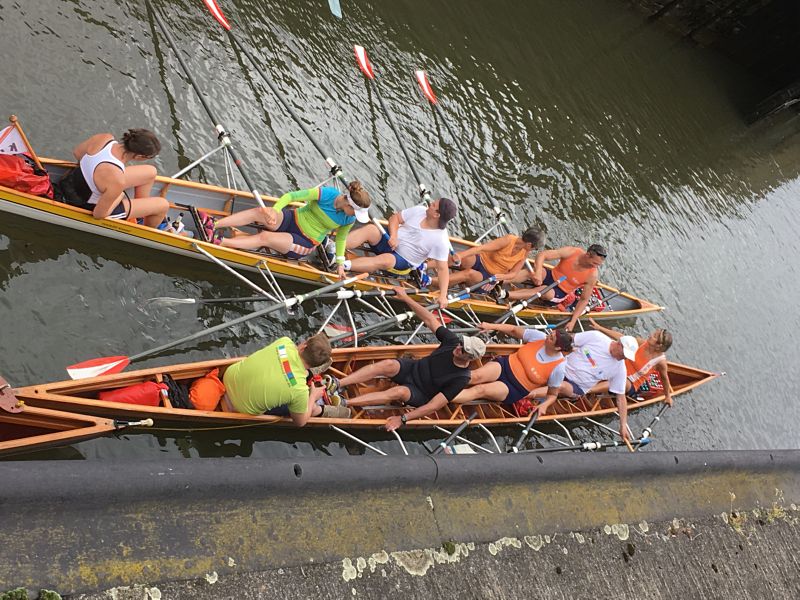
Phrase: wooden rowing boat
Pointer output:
(221, 201)
(81, 396)
(38, 428)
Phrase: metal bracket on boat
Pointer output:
(8, 400)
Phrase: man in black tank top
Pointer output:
(427, 384)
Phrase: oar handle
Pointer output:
(521, 305)
(446, 442)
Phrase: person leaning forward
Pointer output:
(427, 384)
(274, 380)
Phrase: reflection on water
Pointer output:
(581, 118)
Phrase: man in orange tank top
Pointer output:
(503, 257)
(578, 266)
(508, 379)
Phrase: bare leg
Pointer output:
(527, 293)
(496, 391)
(370, 264)
(280, 242)
(564, 391)
(252, 215)
(368, 233)
(469, 276)
(396, 394)
(383, 368)
(141, 179)
(485, 374)
(152, 209)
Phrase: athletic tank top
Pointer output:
(575, 277)
(501, 261)
(529, 371)
(639, 368)
(90, 162)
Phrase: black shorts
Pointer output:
(515, 389)
(404, 377)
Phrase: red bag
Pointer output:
(19, 171)
(523, 407)
(146, 394)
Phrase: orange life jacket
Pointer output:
(640, 367)
(502, 260)
(528, 370)
(575, 276)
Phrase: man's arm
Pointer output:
(438, 402)
(583, 301)
(443, 273)
(506, 328)
(622, 407)
(612, 333)
(427, 317)
(512, 273)
(300, 419)
(394, 225)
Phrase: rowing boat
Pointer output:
(37, 428)
(220, 201)
(82, 396)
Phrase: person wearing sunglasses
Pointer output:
(578, 266)
(295, 232)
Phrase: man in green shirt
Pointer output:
(274, 381)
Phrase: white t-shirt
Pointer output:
(590, 363)
(416, 244)
(557, 374)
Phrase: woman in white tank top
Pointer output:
(104, 166)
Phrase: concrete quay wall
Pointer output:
(610, 525)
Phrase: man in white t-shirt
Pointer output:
(415, 235)
(596, 357)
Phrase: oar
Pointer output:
(649, 429)
(338, 295)
(464, 424)
(521, 305)
(528, 426)
(404, 316)
(336, 9)
(114, 364)
(592, 303)
(586, 446)
(369, 73)
(223, 135)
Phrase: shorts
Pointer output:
(418, 396)
(559, 293)
(478, 266)
(634, 392)
(401, 265)
(279, 411)
(515, 389)
(576, 389)
(302, 245)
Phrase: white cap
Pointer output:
(475, 347)
(362, 214)
(629, 346)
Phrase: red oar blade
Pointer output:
(217, 12)
(422, 79)
(98, 366)
(363, 62)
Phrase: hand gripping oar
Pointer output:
(521, 305)
(592, 303)
(404, 316)
(115, 364)
(222, 134)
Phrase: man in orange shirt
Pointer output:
(577, 265)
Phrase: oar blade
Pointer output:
(95, 367)
(363, 61)
(336, 9)
(217, 13)
(425, 85)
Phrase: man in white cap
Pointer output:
(596, 357)
(427, 384)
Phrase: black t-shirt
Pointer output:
(437, 373)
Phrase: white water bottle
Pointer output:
(177, 224)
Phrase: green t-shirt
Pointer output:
(271, 377)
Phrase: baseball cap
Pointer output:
(475, 347)
(447, 210)
(629, 346)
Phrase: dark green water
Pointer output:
(583, 119)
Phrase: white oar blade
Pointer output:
(363, 62)
(216, 11)
(336, 9)
(422, 79)
(332, 330)
(98, 366)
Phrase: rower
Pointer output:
(577, 265)
(595, 358)
(103, 175)
(650, 358)
(295, 232)
(503, 257)
(509, 379)
(427, 384)
(415, 235)
(275, 381)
